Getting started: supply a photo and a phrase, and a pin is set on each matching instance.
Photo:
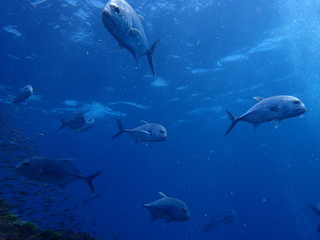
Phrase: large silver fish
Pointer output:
(169, 209)
(147, 132)
(124, 24)
(274, 108)
(55, 171)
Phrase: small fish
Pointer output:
(24, 94)
(169, 209)
(274, 108)
(55, 171)
(78, 121)
(124, 24)
(218, 220)
(148, 132)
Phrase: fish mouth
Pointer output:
(107, 19)
(302, 110)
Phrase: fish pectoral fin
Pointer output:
(145, 122)
(141, 17)
(277, 123)
(258, 98)
(135, 33)
(143, 131)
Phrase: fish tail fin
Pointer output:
(120, 131)
(234, 121)
(63, 123)
(90, 178)
(150, 57)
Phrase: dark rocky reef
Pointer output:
(13, 228)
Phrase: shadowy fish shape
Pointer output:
(148, 132)
(218, 220)
(169, 209)
(124, 24)
(274, 108)
(79, 123)
(89, 122)
(316, 210)
(24, 94)
(55, 171)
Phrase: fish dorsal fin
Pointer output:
(258, 98)
(162, 195)
(145, 122)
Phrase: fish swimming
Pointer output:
(169, 209)
(79, 123)
(218, 220)
(59, 172)
(316, 210)
(274, 108)
(124, 24)
(89, 122)
(148, 132)
(24, 94)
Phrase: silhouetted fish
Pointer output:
(24, 94)
(218, 220)
(56, 171)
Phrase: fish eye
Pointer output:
(296, 102)
(116, 9)
(162, 131)
(184, 210)
(25, 164)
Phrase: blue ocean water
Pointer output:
(213, 56)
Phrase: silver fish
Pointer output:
(148, 132)
(55, 171)
(24, 94)
(274, 108)
(124, 24)
(169, 209)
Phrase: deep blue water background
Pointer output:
(214, 56)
